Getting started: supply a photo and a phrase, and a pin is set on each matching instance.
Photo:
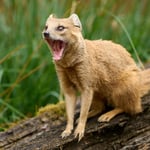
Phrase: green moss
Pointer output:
(53, 110)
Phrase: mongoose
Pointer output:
(103, 73)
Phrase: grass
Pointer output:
(27, 76)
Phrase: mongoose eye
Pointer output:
(45, 27)
(60, 28)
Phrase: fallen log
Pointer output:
(43, 133)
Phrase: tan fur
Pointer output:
(102, 71)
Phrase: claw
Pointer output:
(79, 133)
(104, 118)
(65, 133)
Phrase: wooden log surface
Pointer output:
(43, 133)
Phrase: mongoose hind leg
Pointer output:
(97, 106)
(93, 113)
(125, 97)
(109, 115)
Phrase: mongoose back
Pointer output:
(101, 71)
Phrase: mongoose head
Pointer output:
(60, 34)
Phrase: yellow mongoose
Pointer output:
(103, 72)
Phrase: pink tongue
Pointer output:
(58, 48)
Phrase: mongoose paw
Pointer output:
(79, 132)
(65, 133)
(109, 115)
(104, 118)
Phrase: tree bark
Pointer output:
(43, 133)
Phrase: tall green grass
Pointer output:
(27, 76)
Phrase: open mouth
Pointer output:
(58, 48)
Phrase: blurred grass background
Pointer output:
(27, 76)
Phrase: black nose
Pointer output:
(46, 34)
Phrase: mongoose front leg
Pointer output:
(70, 101)
(86, 100)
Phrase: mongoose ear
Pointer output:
(76, 20)
(52, 16)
